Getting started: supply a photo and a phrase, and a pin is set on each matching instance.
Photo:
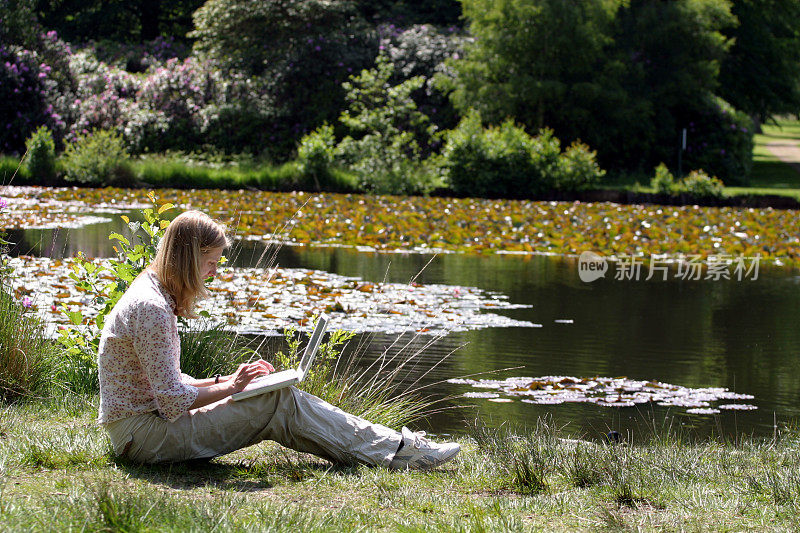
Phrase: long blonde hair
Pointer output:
(178, 262)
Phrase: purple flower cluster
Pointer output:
(27, 96)
(170, 106)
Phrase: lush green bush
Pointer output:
(97, 158)
(41, 160)
(386, 130)
(663, 181)
(505, 161)
(697, 183)
(625, 77)
(317, 153)
(700, 184)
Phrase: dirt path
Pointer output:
(787, 151)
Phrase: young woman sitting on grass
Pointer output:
(154, 413)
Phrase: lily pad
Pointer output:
(617, 392)
(417, 224)
(264, 301)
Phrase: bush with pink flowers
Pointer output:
(26, 102)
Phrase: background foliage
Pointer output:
(239, 76)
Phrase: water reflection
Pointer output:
(743, 335)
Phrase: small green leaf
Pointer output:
(165, 207)
(120, 238)
(74, 316)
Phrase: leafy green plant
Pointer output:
(98, 158)
(386, 127)
(663, 181)
(697, 183)
(505, 161)
(41, 150)
(700, 184)
(316, 154)
(106, 283)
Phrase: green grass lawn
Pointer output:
(57, 474)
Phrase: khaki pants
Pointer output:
(291, 417)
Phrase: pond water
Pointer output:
(741, 335)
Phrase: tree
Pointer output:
(761, 74)
(623, 76)
(127, 21)
(303, 49)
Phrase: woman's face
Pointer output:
(210, 261)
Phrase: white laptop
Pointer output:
(279, 380)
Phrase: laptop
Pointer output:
(285, 378)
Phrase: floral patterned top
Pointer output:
(139, 355)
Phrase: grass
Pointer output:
(57, 473)
(25, 355)
(166, 171)
(174, 171)
(768, 171)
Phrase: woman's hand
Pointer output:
(247, 372)
(234, 383)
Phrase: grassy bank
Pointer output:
(57, 473)
(771, 177)
(768, 170)
(172, 171)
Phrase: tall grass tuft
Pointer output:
(26, 355)
(373, 393)
(525, 461)
(207, 350)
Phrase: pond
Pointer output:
(743, 335)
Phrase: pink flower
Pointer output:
(27, 302)
(3, 202)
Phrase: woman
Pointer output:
(154, 413)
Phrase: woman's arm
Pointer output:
(247, 372)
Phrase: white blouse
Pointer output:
(139, 356)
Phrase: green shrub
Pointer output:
(700, 184)
(386, 131)
(663, 181)
(98, 158)
(697, 183)
(316, 154)
(578, 168)
(505, 161)
(41, 150)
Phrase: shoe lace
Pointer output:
(420, 439)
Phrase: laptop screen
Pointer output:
(313, 345)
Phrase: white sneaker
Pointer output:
(419, 453)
